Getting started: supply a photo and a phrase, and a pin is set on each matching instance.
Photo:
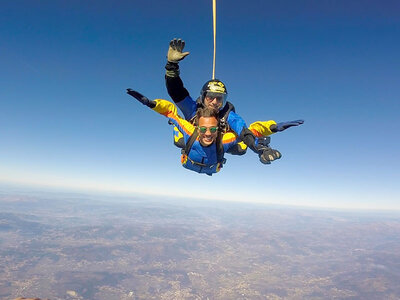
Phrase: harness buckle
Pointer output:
(222, 125)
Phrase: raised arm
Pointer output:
(173, 82)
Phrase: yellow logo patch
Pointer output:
(216, 87)
(177, 134)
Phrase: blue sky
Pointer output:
(65, 120)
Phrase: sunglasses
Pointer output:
(203, 129)
(211, 96)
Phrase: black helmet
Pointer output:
(215, 88)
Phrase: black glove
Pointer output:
(285, 125)
(142, 99)
(269, 155)
(265, 153)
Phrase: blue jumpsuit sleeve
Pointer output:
(188, 107)
(179, 94)
(236, 123)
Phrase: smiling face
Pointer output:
(208, 124)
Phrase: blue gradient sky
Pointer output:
(66, 121)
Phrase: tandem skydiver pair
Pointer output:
(211, 127)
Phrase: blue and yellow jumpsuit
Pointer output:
(200, 159)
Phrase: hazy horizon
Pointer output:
(111, 195)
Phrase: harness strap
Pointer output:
(223, 121)
(204, 165)
(220, 149)
(190, 142)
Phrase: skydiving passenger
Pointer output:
(205, 143)
(214, 94)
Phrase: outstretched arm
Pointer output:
(167, 109)
(285, 125)
(142, 99)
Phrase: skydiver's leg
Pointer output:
(261, 129)
(238, 149)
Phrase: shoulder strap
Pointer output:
(220, 148)
(223, 116)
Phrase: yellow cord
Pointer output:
(215, 34)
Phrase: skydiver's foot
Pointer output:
(269, 155)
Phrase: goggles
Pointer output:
(203, 129)
(219, 96)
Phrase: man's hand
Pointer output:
(175, 49)
(142, 99)
(285, 125)
(269, 155)
(265, 153)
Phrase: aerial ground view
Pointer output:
(83, 247)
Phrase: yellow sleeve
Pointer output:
(228, 137)
(169, 110)
(165, 107)
(262, 128)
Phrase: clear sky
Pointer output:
(66, 121)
